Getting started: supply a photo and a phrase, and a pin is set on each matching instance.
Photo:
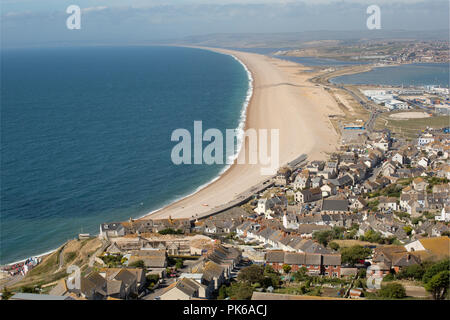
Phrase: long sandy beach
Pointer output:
(283, 99)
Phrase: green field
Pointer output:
(412, 127)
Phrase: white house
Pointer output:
(425, 139)
(399, 158)
(445, 215)
(423, 162)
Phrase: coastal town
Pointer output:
(382, 51)
(367, 220)
(378, 208)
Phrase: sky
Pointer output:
(43, 22)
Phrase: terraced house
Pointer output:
(316, 264)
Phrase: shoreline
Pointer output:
(227, 176)
(241, 127)
(186, 207)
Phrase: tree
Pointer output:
(414, 272)
(323, 237)
(334, 246)
(271, 277)
(137, 264)
(392, 290)
(179, 263)
(241, 291)
(353, 254)
(171, 231)
(252, 274)
(222, 292)
(438, 285)
(445, 233)
(434, 269)
(6, 294)
(26, 289)
(389, 277)
(286, 268)
(408, 230)
(372, 236)
(301, 274)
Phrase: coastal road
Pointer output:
(11, 281)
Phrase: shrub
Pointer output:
(137, 264)
(438, 285)
(171, 231)
(415, 271)
(179, 263)
(434, 269)
(388, 277)
(334, 246)
(286, 268)
(353, 254)
(6, 294)
(69, 256)
(392, 290)
(252, 274)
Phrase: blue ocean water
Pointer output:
(85, 135)
(419, 74)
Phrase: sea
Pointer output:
(414, 75)
(86, 135)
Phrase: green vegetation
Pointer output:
(434, 276)
(411, 127)
(434, 269)
(286, 268)
(236, 291)
(69, 257)
(260, 276)
(252, 274)
(112, 261)
(334, 246)
(325, 236)
(408, 230)
(392, 190)
(152, 279)
(6, 294)
(179, 263)
(438, 285)
(401, 214)
(353, 255)
(414, 272)
(392, 290)
(301, 275)
(389, 277)
(373, 205)
(171, 231)
(137, 264)
(376, 237)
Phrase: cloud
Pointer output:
(94, 9)
(157, 19)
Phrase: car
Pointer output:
(157, 298)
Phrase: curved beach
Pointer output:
(283, 99)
